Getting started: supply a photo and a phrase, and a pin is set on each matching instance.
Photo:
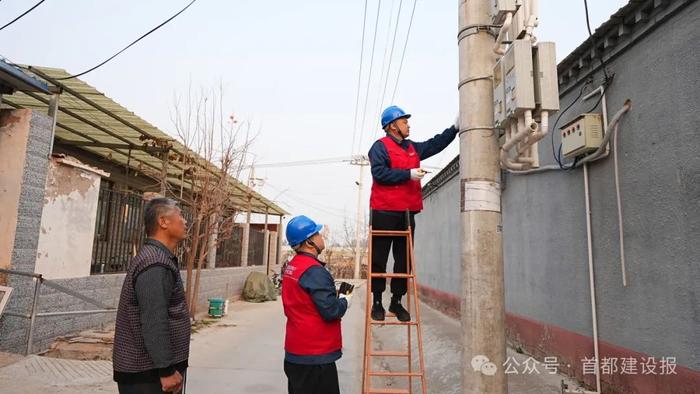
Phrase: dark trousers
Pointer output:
(311, 379)
(140, 388)
(150, 387)
(381, 246)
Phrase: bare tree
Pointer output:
(215, 146)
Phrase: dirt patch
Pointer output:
(88, 345)
(9, 358)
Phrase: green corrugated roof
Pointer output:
(94, 122)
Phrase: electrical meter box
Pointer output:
(518, 78)
(500, 8)
(545, 76)
(499, 95)
(517, 25)
(582, 135)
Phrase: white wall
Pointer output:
(68, 220)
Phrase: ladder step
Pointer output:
(393, 323)
(389, 354)
(390, 233)
(377, 275)
(389, 373)
(388, 391)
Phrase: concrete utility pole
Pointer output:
(483, 305)
(362, 162)
(266, 244)
(53, 114)
(164, 173)
(280, 234)
(245, 239)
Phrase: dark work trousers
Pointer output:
(153, 387)
(380, 250)
(140, 388)
(311, 379)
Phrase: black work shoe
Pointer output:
(377, 311)
(400, 312)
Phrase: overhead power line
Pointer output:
(403, 53)
(595, 46)
(302, 162)
(369, 78)
(391, 55)
(129, 46)
(23, 14)
(384, 76)
(359, 80)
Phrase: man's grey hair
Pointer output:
(154, 209)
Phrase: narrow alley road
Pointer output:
(243, 352)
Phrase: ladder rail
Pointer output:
(409, 270)
(368, 318)
(419, 331)
(411, 296)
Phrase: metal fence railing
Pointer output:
(228, 251)
(119, 231)
(256, 248)
(119, 234)
(34, 313)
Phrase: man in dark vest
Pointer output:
(152, 337)
(396, 188)
(313, 340)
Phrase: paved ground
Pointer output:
(242, 353)
(442, 346)
(245, 350)
(35, 374)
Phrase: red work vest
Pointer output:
(406, 195)
(307, 333)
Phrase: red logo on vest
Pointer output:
(403, 196)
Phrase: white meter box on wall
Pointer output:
(582, 135)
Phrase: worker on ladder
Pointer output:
(313, 339)
(396, 175)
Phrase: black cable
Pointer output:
(359, 81)
(600, 98)
(128, 46)
(595, 47)
(23, 14)
(403, 53)
(554, 128)
(369, 78)
(391, 53)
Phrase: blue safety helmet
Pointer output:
(301, 228)
(392, 113)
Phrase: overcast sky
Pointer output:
(290, 68)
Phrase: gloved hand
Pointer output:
(457, 121)
(417, 174)
(348, 298)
